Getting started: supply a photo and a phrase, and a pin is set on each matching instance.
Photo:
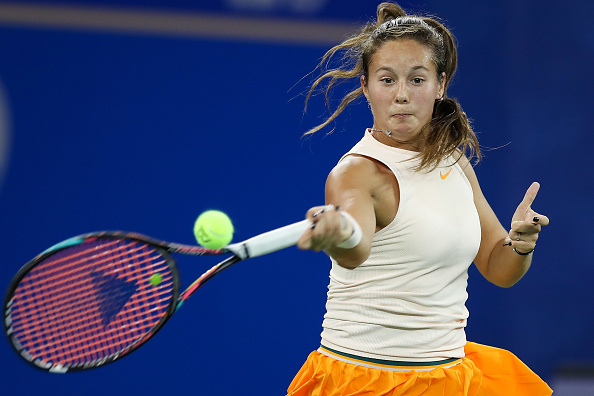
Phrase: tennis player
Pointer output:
(404, 219)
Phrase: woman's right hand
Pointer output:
(329, 228)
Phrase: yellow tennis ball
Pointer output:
(156, 279)
(213, 229)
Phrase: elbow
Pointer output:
(348, 264)
(351, 258)
(504, 277)
(505, 283)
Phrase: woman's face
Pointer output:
(402, 88)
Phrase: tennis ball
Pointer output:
(213, 229)
(156, 279)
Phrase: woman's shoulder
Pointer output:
(466, 166)
(361, 171)
(354, 163)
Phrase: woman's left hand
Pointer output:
(526, 223)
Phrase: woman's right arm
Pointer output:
(349, 188)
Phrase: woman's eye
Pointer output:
(417, 80)
(387, 80)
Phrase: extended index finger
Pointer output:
(530, 195)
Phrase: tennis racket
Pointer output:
(94, 298)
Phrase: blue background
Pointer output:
(142, 132)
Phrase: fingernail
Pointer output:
(536, 219)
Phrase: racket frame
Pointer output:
(163, 248)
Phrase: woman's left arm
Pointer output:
(504, 257)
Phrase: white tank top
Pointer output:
(406, 302)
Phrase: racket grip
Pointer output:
(270, 241)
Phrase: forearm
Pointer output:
(506, 267)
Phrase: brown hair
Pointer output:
(449, 132)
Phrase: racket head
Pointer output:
(90, 300)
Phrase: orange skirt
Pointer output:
(484, 371)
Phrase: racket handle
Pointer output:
(270, 241)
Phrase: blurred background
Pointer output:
(140, 114)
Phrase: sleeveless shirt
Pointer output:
(406, 302)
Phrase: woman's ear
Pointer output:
(364, 86)
(441, 90)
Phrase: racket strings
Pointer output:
(61, 281)
(90, 301)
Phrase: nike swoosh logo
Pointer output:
(443, 177)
